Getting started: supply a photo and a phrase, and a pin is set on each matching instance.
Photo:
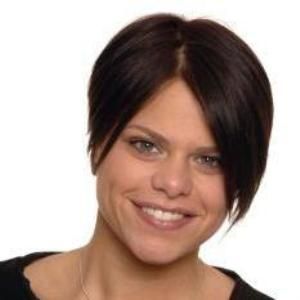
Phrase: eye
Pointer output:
(143, 146)
(210, 161)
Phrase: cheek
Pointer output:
(117, 177)
(110, 182)
(214, 196)
(213, 206)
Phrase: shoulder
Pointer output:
(243, 290)
(9, 272)
(10, 278)
(13, 284)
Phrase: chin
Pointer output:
(157, 256)
(156, 260)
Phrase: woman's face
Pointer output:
(165, 157)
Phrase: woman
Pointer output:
(180, 116)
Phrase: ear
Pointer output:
(95, 155)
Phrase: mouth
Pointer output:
(172, 210)
(161, 217)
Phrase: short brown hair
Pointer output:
(224, 74)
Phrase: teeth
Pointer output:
(162, 215)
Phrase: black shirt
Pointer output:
(15, 286)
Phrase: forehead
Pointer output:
(175, 113)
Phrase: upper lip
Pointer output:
(179, 210)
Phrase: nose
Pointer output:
(173, 178)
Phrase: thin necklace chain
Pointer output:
(81, 277)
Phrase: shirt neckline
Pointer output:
(29, 258)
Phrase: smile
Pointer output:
(161, 219)
(162, 215)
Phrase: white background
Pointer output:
(47, 193)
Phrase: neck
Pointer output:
(111, 271)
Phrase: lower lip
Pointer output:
(162, 225)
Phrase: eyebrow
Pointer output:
(164, 141)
